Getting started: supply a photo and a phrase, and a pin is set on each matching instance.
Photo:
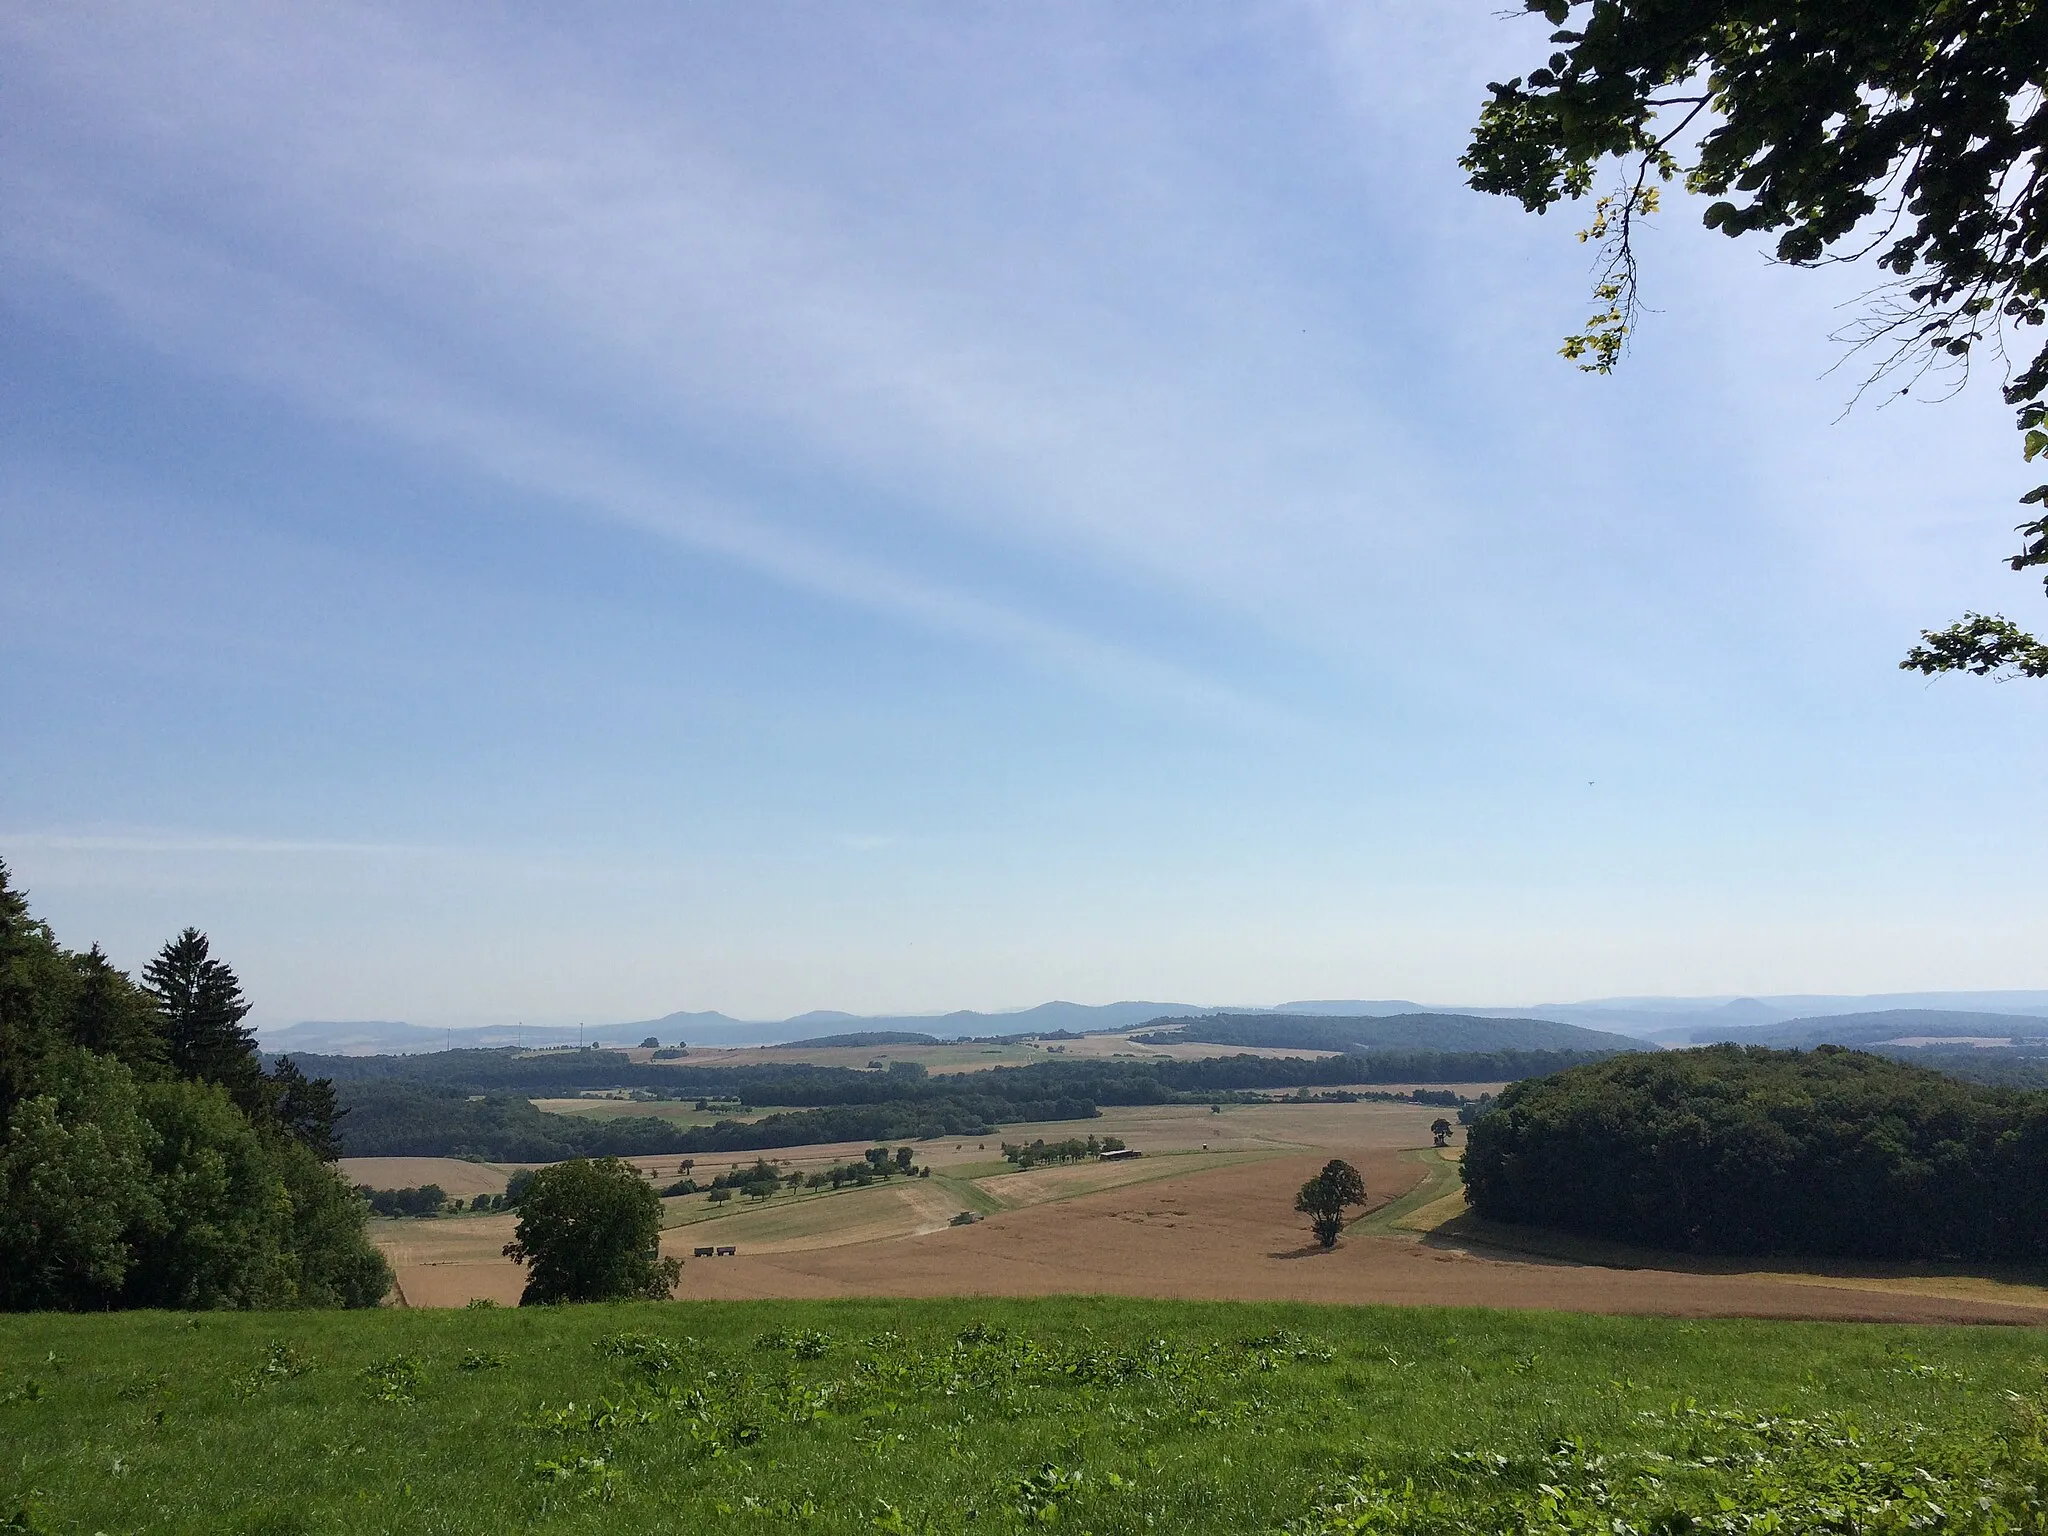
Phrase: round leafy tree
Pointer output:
(591, 1231)
(1324, 1197)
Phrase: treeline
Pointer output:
(391, 1119)
(1101, 1081)
(146, 1158)
(1998, 1066)
(461, 1104)
(1746, 1150)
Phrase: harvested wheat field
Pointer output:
(1206, 1214)
(456, 1175)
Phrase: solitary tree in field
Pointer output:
(1324, 1197)
(1911, 132)
(1440, 1128)
(591, 1231)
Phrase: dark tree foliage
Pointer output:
(203, 1008)
(388, 1119)
(304, 1109)
(1743, 1150)
(128, 1181)
(507, 1073)
(113, 1016)
(591, 1231)
(36, 987)
(1323, 1199)
(1910, 131)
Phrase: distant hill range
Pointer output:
(864, 1038)
(1418, 1031)
(1663, 1020)
(1901, 1027)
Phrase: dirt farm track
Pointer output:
(1207, 1214)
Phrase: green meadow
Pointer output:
(965, 1416)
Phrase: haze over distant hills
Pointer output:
(1665, 1020)
(1900, 1026)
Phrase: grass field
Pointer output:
(971, 1416)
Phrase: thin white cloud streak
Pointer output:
(1090, 415)
(175, 843)
(257, 326)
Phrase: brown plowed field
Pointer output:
(1213, 1232)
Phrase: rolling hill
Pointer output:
(1401, 1031)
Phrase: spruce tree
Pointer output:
(304, 1109)
(203, 1008)
(35, 986)
(109, 1014)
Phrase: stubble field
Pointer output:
(1205, 1214)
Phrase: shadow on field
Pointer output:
(1477, 1238)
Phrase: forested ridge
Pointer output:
(415, 1120)
(1368, 1033)
(1746, 1150)
(146, 1158)
(476, 1103)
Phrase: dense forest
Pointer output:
(475, 1103)
(1746, 1150)
(399, 1119)
(146, 1157)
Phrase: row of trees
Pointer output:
(146, 1158)
(1073, 1150)
(509, 1073)
(1744, 1150)
(394, 1118)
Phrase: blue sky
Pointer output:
(902, 507)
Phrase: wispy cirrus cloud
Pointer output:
(1026, 442)
(201, 843)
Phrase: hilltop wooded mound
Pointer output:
(1745, 1150)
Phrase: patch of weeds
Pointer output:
(783, 1510)
(1039, 1495)
(480, 1304)
(1723, 1473)
(649, 1352)
(1285, 1343)
(28, 1390)
(591, 1477)
(395, 1380)
(280, 1362)
(803, 1343)
(27, 1515)
(1905, 1363)
(482, 1360)
(143, 1389)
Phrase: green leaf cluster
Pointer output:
(1912, 132)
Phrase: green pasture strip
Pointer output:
(989, 1168)
(959, 1416)
(971, 1195)
(1439, 1179)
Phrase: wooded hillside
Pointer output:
(1746, 1150)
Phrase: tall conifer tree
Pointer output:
(203, 1008)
